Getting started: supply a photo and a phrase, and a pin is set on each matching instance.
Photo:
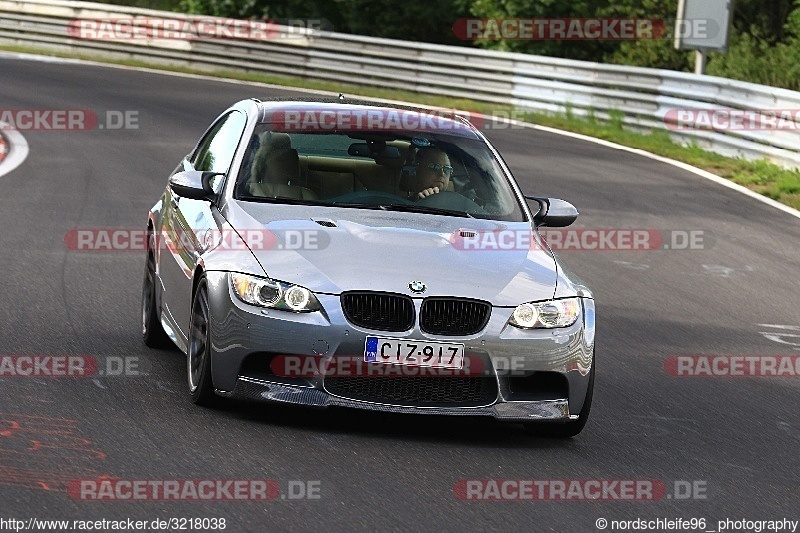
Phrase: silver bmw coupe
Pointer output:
(359, 255)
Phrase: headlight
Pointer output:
(552, 314)
(274, 294)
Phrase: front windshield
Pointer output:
(426, 172)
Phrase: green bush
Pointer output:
(755, 60)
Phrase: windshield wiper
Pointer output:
(355, 205)
(409, 208)
(280, 200)
(415, 208)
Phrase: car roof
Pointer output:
(347, 114)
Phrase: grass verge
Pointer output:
(760, 176)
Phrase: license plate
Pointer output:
(414, 353)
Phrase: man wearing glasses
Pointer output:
(433, 171)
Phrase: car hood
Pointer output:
(362, 249)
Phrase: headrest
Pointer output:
(276, 161)
(278, 141)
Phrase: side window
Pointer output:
(215, 151)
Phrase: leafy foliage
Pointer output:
(758, 58)
(412, 20)
(764, 45)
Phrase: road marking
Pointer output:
(792, 339)
(632, 266)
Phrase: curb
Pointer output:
(14, 149)
(3, 147)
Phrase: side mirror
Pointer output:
(553, 213)
(194, 184)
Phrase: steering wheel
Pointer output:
(371, 197)
(452, 201)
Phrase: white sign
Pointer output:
(703, 24)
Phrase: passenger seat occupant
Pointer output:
(275, 165)
(431, 174)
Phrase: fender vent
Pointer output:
(326, 223)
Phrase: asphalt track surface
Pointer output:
(737, 437)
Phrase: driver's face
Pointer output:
(433, 177)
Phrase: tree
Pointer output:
(411, 20)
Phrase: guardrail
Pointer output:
(647, 98)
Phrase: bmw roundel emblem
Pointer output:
(417, 287)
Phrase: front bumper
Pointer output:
(510, 356)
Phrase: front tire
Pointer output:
(198, 357)
(153, 333)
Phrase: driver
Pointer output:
(433, 172)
